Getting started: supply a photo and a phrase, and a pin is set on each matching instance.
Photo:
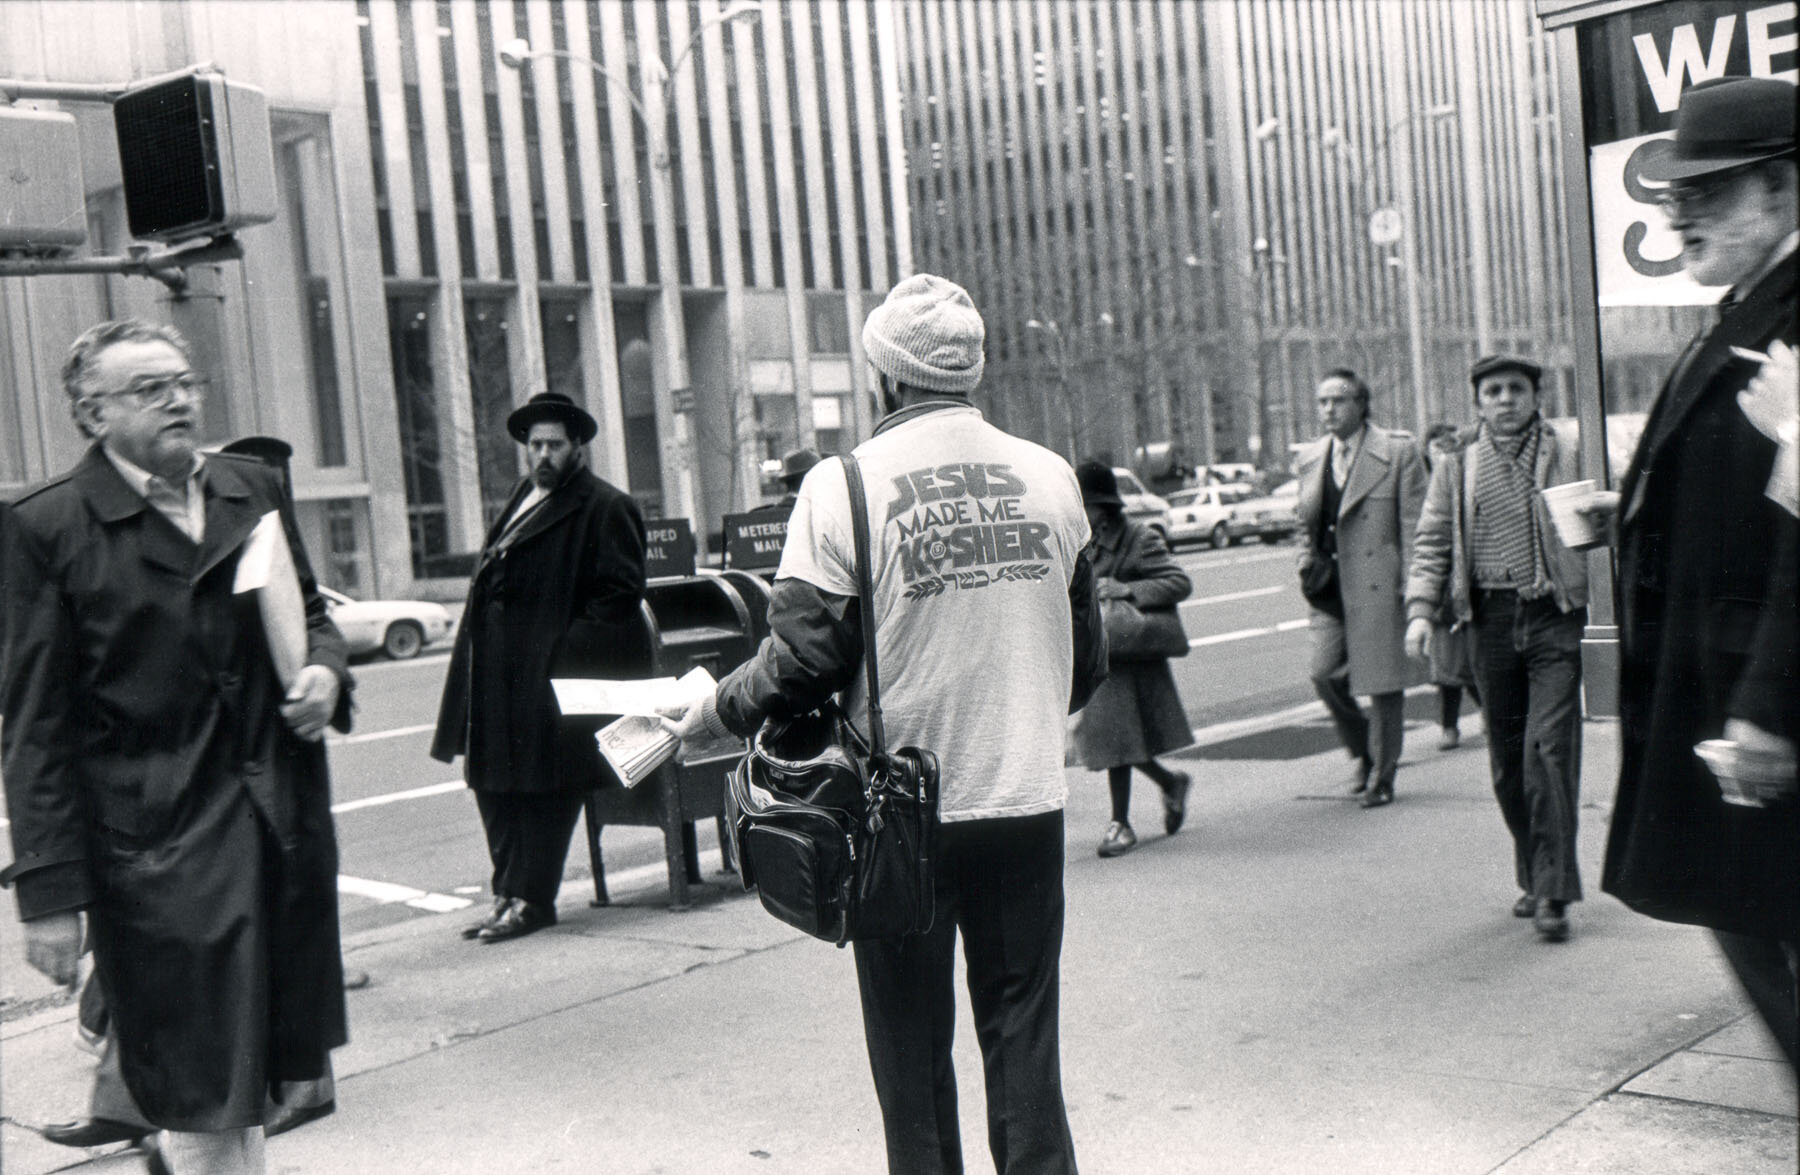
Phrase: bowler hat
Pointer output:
(795, 465)
(1725, 123)
(555, 408)
(1489, 364)
(1099, 486)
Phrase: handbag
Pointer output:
(1141, 634)
(837, 834)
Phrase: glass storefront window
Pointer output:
(486, 325)
(637, 403)
(415, 404)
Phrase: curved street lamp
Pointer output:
(674, 423)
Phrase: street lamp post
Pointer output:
(1054, 332)
(654, 109)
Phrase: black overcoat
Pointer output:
(1707, 631)
(151, 781)
(561, 599)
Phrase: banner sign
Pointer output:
(668, 547)
(753, 541)
(1635, 66)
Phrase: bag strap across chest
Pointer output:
(865, 596)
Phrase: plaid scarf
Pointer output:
(1503, 539)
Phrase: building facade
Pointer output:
(458, 232)
(1177, 216)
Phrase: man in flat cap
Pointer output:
(555, 593)
(1706, 562)
(794, 468)
(988, 634)
(1486, 538)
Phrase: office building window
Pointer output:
(561, 317)
(827, 324)
(343, 568)
(415, 402)
(487, 325)
(311, 198)
(637, 404)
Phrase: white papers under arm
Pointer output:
(266, 567)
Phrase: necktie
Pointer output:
(171, 501)
(1340, 462)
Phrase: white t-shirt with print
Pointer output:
(974, 536)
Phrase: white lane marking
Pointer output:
(394, 797)
(1244, 634)
(1228, 596)
(387, 893)
(345, 740)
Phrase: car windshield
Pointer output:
(1127, 482)
(1184, 498)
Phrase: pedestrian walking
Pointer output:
(1136, 714)
(1361, 487)
(989, 633)
(1486, 548)
(1450, 655)
(1707, 562)
(158, 777)
(556, 593)
(794, 468)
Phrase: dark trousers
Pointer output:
(1769, 971)
(1528, 660)
(1377, 742)
(1000, 883)
(528, 840)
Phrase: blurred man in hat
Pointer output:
(1361, 487)
(794, 468)
(987, 634)
(1706, 561)
(1486, 540)
(555, 593)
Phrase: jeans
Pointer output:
(1528, 660)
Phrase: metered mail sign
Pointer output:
(753, 541)
(668, 547)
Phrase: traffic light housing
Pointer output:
(196, 157)
(43, 210)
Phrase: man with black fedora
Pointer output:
(1706, 562)
(555, 593)
(794, 468)
(1486, 547)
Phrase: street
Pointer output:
(411, 843)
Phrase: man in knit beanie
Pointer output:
(988, 634)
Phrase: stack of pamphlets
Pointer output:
(636, 744)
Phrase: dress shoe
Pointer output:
(1551, 923)
(1175, 802)
(1119, 840)
(521, 918)
(1378, 796)
(155, 1162)
(1449, 738)
(1359, 776)
(287, 1118)
(355, 979)
(1525, 907)
(93, 1132)
(473, 930)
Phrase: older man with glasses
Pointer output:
(160, 779)
(1707, 559)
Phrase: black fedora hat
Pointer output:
(795, 465)
(556, 408)
(1725, 123)
(1099, 485)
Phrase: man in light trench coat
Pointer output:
(1361, 489)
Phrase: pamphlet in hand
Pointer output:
(266, 567)
(637, 744)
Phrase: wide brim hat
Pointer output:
(553, 407)
(795, 465)
(1722, 124)
(1099, 485)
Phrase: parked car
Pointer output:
(1273, 517)
(1206, 514)
(1141, 504)
(399, 628)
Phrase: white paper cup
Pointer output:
(1576, 530)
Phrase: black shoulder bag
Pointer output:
(835, 833)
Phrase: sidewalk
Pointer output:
(1290, 985)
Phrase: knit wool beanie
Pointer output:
(927, 334)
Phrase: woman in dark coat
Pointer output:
(1136, 714)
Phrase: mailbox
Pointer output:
(690, 620)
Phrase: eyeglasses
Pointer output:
(1698, 199)
(162, 391)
